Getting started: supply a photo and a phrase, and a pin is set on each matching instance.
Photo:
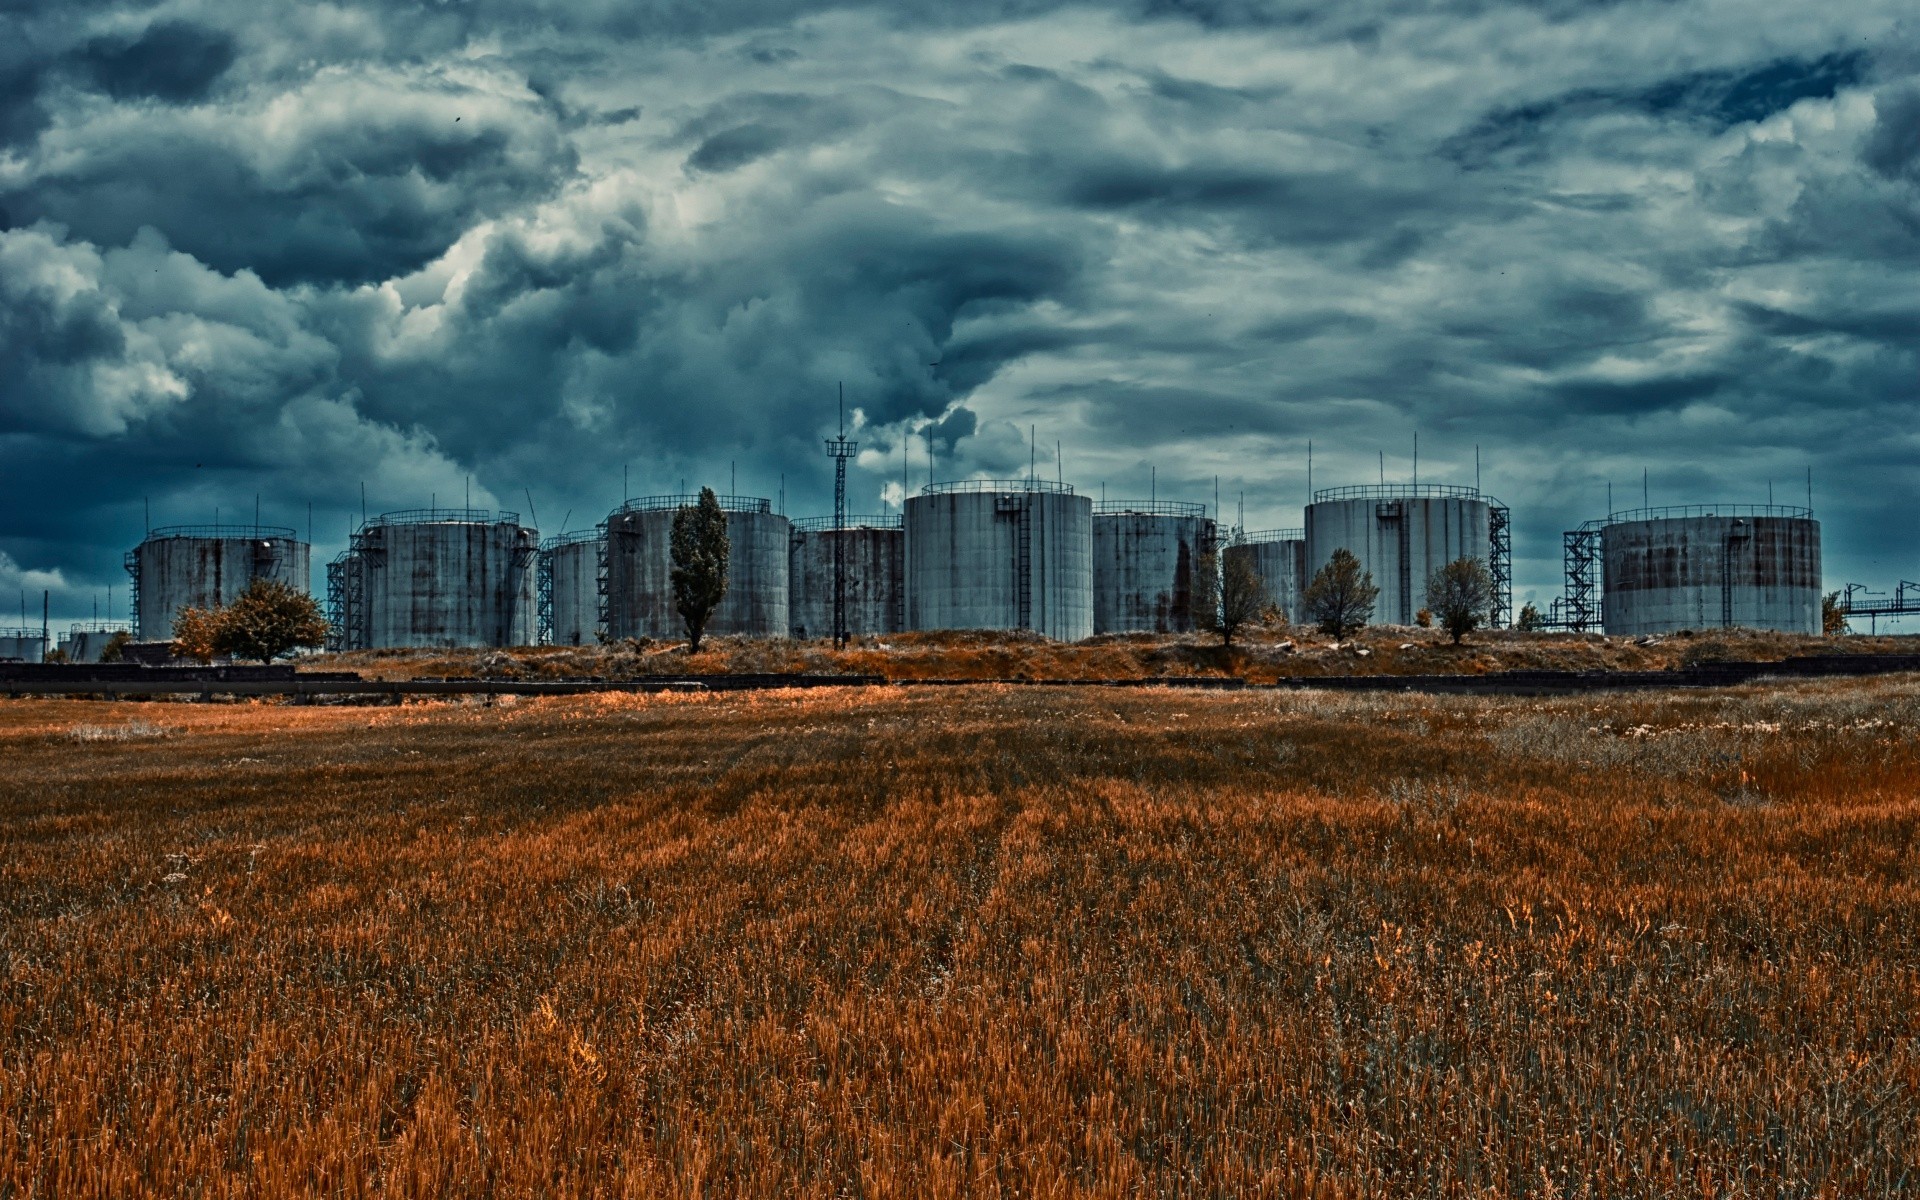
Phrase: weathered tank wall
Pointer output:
(206, 572)
(1144, 569)
(23, 647)
(86, 645)
(640, 576)
(450, 583)
(1401, 540)
(1281, 565)
(576, 592)
(1664, 575)
(962, 561)
(875, 566)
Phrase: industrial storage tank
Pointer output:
(873, 555)
(569, 588)
(1147, 559)
(435, 577)
(22, 645)
(1402, 534)
(1279, 558)
(206, 566)
(87, 643)
(1710, 566)
(640, 569)
(1000, 554)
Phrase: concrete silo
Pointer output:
(1147, 556)
(640, 569)
(206, 566)
(1401, 534)
(873, 555)
(1710, 566)
(1279, 558)
(1000, 554)
(435, 577)
(569, 588)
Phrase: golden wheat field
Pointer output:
(971, 941)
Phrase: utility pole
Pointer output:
(841, 450)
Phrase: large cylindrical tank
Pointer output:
(1279, 558)
(1000, 554)
(22, 645)
(1147, 556)
(206, 566)
(640, 569)
(1401, 534)
(1714, 566)
(87, 643)
(873, 555)
(570, 589)
(445, 577)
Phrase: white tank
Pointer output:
(1147, 555)
(1711, 566)
(22, 645)
(1000, 554)
(86, 643)
(1279, 558)
(1401, 534)
(439, 577)
(873, 557)
(207, 566)
(570, 588)
(640, 570)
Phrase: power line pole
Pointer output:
(841, 450)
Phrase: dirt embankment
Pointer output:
(1263, 657)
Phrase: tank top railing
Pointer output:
(223, 532)
(869, 521)
(435, 516)
(739, 504)
(1680, 512)
(1398, 491)
(1148, 508)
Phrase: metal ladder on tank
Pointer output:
(526, 557)
(1500, 561)
(132, 563)
(543, 598)
(605, 530)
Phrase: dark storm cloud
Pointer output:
(353, 179)
(1716, 99)
(174, 61)
(287, 248)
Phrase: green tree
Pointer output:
(1234, 594)
(700, 554)
(1340, 598)
(116, 647)
(1833, 615)
(267, 620)
(1530, 620)
(1461, 596)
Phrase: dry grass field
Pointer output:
(966, 941)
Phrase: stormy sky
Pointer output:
(285, 249)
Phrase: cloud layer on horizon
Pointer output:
(283, 249)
